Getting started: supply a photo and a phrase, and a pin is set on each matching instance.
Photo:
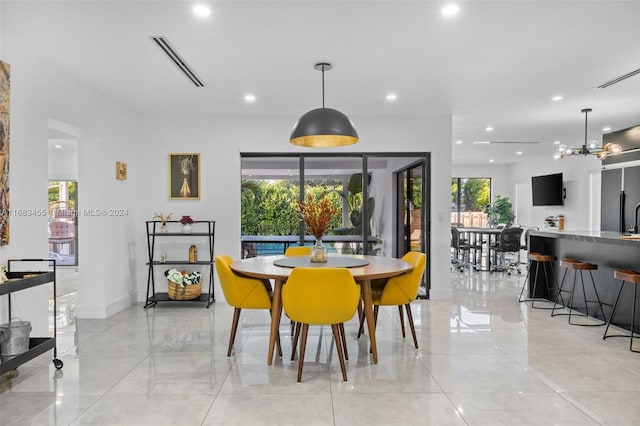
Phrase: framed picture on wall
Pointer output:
(184, 176)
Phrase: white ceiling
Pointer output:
(498, 63)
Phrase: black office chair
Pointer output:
(461, 250)
(508, 242)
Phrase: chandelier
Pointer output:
(590, 148)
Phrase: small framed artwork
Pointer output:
(121, 170)
(184, 176)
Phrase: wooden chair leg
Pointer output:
(303, 345)
(278, 345)
(361, 316)
(375, 314)
(234, 327)
(336, 331)
(343, 337)
(413, 329)
(293, 326)
(401, 321)
(294, 343)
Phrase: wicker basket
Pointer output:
(178, 292)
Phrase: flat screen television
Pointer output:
(547, 190)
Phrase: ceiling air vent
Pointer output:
(619, 79)
(166, 47)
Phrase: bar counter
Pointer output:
(606, 249)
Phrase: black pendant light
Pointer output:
(323, 127)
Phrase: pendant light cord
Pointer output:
(586, 115)
(323, 86)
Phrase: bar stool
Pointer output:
(546, 261)
(577, 266)
(625, 276)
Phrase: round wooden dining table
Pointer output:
(263, 267)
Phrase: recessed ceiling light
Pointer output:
(489, 129)
(557, 98)
(201, 10)
(491, 160)
(450, 9)
(249, 98)
(519, 153)
(58, 146)
(606, 129)
(556, 142)
(392, 97)
(481, 142)
(459, 142)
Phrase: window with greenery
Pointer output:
(469, 199)
(269, 207)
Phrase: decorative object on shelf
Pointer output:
(121, 170)
(193, 254)
(183, 285)
(186, 222)
(184, 176)
(317, 215)
(500, 212)
(3, 274)
(591, 148)
(163, 221)
(323, 127)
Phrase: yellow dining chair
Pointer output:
(295, 251)
(298, 251)
(321, 296)
(399, 291)
(242, 293)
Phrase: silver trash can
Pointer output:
(14, 339)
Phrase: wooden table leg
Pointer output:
(365, 286)
(276, 312)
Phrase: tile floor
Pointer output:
(484, 359)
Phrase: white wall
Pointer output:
(220, 140)
(581, 177)
(63, 164)
(40, 92)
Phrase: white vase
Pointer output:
(186, 228)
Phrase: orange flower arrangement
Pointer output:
(317, 214)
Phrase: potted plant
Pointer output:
(500, 211)
(317, 214)
(186, 222)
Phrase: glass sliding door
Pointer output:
(469, 199)
(365, 188)
(340, 180)
(412, 211)
(270, 190)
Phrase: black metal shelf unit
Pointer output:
(21, 281)
(202, 229)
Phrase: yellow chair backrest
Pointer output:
(298, 251)
(404, 288)
(241, 292)
(320, 295)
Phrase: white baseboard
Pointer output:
(101, 311)
(440, 294)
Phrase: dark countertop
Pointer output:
(606, 237)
